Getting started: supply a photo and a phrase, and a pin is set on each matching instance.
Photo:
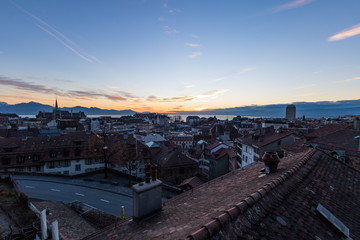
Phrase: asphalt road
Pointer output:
(102, 200)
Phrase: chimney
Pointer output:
(271, 161)
(147, 195)
(357, 124)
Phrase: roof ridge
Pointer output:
(213, 227)
(338, 160)
(203, 185)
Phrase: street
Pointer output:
(103, 200)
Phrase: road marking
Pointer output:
(79, 194)
(29, 187)
(105, 200)
(55, 190)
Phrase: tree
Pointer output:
(129, 158)
(102, 146)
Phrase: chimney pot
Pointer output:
(271, 161)
(147, 172)
(154, 172)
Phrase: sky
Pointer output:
(178, 55)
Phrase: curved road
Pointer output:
(105, 201)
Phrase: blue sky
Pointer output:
(179, 55)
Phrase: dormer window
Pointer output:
(53, 154)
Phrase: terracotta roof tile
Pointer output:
(187, 213)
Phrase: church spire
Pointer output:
(56, 105)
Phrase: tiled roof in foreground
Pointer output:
(246, 204)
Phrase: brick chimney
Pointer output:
(147, 195)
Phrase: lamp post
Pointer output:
(105, 161)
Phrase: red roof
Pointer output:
(264, 140)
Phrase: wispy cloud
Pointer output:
(160, 19)
(60, 37)
(115, 97)
(179, 107)
(349, 80)
(170, 30)
(176, 10)
(87, 94)
(355, 30)
(213, 92)
(50, 79)
(186, 98)
(111, 87)
(305, 86)
(235, 74)
(187, 85)
(195, 36)
(19, 84)
(287, 6)
(195, 55)
(195, 45)
(308, 94)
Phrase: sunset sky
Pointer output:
(162, 56)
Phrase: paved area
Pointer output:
(106, 201)
(114, 183)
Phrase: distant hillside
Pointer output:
(33, 108)
(309, 109)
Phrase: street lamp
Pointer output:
(105, 161)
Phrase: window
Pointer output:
(66, 163)
(53, 154)
(88, 161)
(279, 142)
(5, 160)
(8, 149)
(77, 152)
(35, 158)
(20, 159)
(38, 169)
(77, 167)
(66, 152)
(51, 164)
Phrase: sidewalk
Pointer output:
(113, 183)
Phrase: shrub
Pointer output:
(23, 200)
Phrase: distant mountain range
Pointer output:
(33, 108)
(309, 109)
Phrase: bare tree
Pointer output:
(129, 159)
(102, 146)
